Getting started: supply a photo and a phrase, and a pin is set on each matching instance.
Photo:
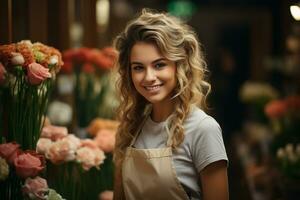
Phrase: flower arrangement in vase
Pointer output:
(27, 74)
(93, 91)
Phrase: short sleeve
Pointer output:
(207, 144)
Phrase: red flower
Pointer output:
(9, 151)
(293, 102)
(276, 109)
(29, 164)
(88, 68)
(67, 67)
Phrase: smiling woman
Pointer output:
(167, 147)
(153, 76)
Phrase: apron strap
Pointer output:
(138, 130)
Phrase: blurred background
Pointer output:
(252, 49)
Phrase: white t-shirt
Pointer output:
(203, 144)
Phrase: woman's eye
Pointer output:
(160, 65)
(137, 68)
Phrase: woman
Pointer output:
(167, 147)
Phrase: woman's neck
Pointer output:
(161, 111)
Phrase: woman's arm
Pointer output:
(214, 181)
(118, 189)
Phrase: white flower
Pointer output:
(251, 91)
(281, 153)
(60, 113)
(17, 59)
(53, 60)
(289, 148)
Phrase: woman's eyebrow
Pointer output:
(159, 59)
(155, 61)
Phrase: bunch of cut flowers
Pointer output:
(27, 73)
(19, 174)
(73, 165)
(284, 115)
(93, 91)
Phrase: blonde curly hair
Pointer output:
(178, 43)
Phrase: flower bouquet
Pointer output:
(93, 93)
(27, 73)
(284, 115)
(73, 167)
(19, 174)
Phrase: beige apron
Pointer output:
(148, 174)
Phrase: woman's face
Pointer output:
(153, 76)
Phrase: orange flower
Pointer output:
(24, 48)
(100, 123)
(276, 109)
(5, 53)
(106, 139)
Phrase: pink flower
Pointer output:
(9, 151)
(90, 157)
(106, 139)
(37, 73)
(62, 150)
(29, 164)
(35, 188)
(2, 73)
(275, 109)
(89, 143)
(106, 195)
(43, 145)
(54, 132)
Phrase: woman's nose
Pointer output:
(149, 75)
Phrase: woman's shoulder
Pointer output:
(201, 122)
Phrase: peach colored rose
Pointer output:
(275, 109)
(106, 139)
(2, 73)
(100, 123)
(106, 195)
(89, 143)
(73, 140)
(36, 73)
(35, 188)
(29, 164)
(89, 157)
(8, 151)
(54, 132)
(43, 145)
(62, 151)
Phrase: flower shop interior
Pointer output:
(58, 123)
